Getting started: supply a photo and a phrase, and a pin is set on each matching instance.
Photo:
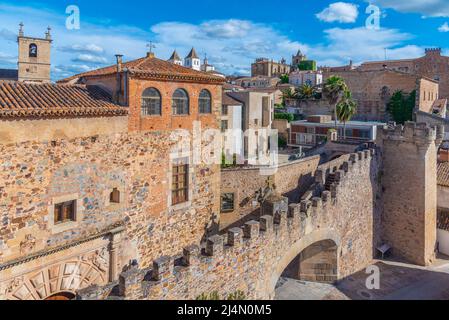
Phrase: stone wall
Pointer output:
(291, 180)
(35, 175)
(252, 258)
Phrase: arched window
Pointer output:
(151, 102)
(205, 102)
(180, 102)
(114, 197)
(33, 50)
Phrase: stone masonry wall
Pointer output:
(253, 257)
(36, 175)
(410, 196)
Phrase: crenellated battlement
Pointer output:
(433, 51)
(280, 226)
(412, 132)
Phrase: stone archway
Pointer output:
(316, 263)
(329, 239)
(58, 280)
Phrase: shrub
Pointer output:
(284, 116)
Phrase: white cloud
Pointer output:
(231, 45)
(89, 58)
(361, 44)
(85, 48)
(430, 8)
(444, 27)
(227, 29)
(234, 43)
(342, 12)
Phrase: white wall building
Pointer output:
(311, 78)
(192, 60)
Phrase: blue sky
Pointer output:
(232, 33)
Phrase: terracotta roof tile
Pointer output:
(443, 174)
(152, 68)
(18, 99)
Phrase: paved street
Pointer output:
(398, 281)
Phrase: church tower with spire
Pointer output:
(297, 59)
(192, 60)
(175, 58)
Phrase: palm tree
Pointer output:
(345, 109)
(288, 94)
(334, 90)
(305, 92)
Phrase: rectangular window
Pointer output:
(227, 202)
(65, 212)
(224, 110)
(224, 125)
(180, 184)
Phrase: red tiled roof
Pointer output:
(443, 174)
(152, 68)
(18, 99)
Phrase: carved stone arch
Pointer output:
(294, 250)
(67, 277)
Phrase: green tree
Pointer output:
(401, 106)
(334, 90)
(285, 78)
(346, 109)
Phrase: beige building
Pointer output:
(257, 82)
(372, 89)
(268, 68)
(432, 65)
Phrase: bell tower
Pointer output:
(34, 57)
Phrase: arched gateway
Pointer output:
(315, 257)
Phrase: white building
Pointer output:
(257, 114)
(231, 121)
(311, 78)
(192, 60)
(206, 67)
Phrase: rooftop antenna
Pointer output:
(385, 54)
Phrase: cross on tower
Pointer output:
(21, 29)
(151, 46)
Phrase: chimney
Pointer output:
(150, 54)
(119, 62)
